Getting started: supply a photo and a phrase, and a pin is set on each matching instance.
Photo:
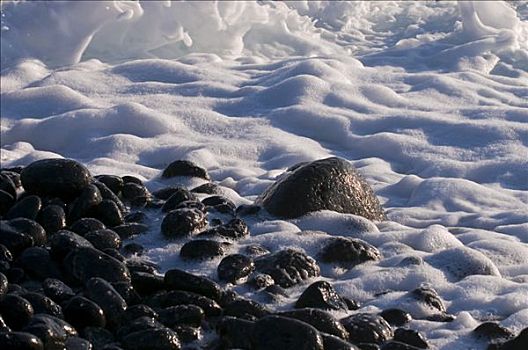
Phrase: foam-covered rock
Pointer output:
(331, 183)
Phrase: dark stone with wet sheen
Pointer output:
(322, 320)
(331, 184)
(51, 330)
(184, 168)
(181, 280)
(396, 317)
(275, 332)
(235, 268)
(84, 263)
(200, 249)
(81, 312)
(411, 337)
(16, 311)
(367, 328)
(27, 207)
(152, 339)
(183, 222)
(288, 267)
(20, 341)
(321, 295)
(52, 218)
(348, 252)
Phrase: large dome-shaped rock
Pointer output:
(331, 183)
(63, 178)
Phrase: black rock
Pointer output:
(97, 336)
(190, 315)
(179, 196)
(166, 192)
(367, 328)
(184, 168)
(85, 225)
(179, 297)
(492, 331)
(177, 279)
(247, 210)
(261, 280)
(246, 309)
(20, 341)
(52, 218)
(430, 297)
(5, 254)
(192, 204)
(14, 241)
(235, 268)
(16, 311)
(131, 179)
(3, 285)
(213, 201)
(322, 320)
(63, 242)
(104, 294)
(288, 267)
(109, 213)
(235, 333)
(31, 228)
(208, 188)
(57, 290)
(64, 178)
(85, 203)
(131, 191)
(331, 184)
(442, 317)
(105, 238)
(183, 222)
(85, 263)
(517, 343)
(37, 264)
(396, 317)
(51, 330)
(146, 283)
(27, 207)
(81, 312)
(203, 249)
(42, 304)
(137, 311)
(76, 343)
(234, 229)
(255, 250)
(275, 332)
(331, 342)
(411, 337)
(113, 182)
(108, 194)
(130, 229)
(321, 295)
(6, 202)
(152, 339)
(187, 334)
(136, 217)
(136, 325)
(142, 266)
(133, 249)
(7, 185)
(348, 252)
(395, 345)
(127, 292)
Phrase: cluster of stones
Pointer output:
(66, 281)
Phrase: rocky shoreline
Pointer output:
(67, 280)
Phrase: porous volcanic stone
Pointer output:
(184, 168)
(348, 252)
(331, 183)
(367, 328)
(64, 178)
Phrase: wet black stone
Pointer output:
(20, 341)
(131, 179)
(102, 239)
(136, 217)
(63, 242)
(5, 254)
(114, 253)
(192, 204)
(179, 297)
(396, 345)
(331, 184)
(3, 285)
(127, 292)
(6, 202)
(76, 343)
(57, 290)
(217, 200)
(321, 320)
(42, 304)
(247, 309)
(352, 304)
(113, 182)
(255, 250)
(152, 339)
(200, 249)
(247, 210)
(7, 185)
(132, 190)
(52, 218)
(136, 325)
(166, 192)
(492, 331)
(348, 252)
(64, 178)
(27, 207)
(367, 328)
(396, 317)
(146, 283)
(109, 213)
(177, 279)
(85, 203)
(130, 229)
(110, 195)
(411, 337)
(321, 295)
(517, 343)
(51, 330)
(429, 296)
(16, 311)
(137, 311)
(15, 275)
(331, 342)
(13, 240)
(105, 295)
(261, 280)
(84, 263)
(31, 228)
(142, 266)
(208, 188)
(179, 196)
(133, 249)
(275, 332)
(37, 263)
(442, 317)
(235, 268)
(234, 229)
(182, 222)
(288, 267)
(190, 315)
(97, 336)
(85, 225)
(187, 334)
(81, 312)
(235, 332)
(184, 168)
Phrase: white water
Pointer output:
(429, 100)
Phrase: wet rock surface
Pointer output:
(348, 252)
(330, 183)
(184, 168)
(321, 295)
(367, 328)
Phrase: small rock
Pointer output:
(131, 179)
(105, 238)
(57, 290)
(82, 206)
(137, 311)
(203, 249)
(331, 342)
(64, 178)
(234, 229)
(348, 252)
(146, 283)
(261, 280)
(20, 341)
(179, 196)
(131, 191)
(133, 249)
(113, 182)
(51, 330)
(367, 328)
(16, 242)
(247, 210)
(288, 267)
(396, 317)
(52, 218)
(7, 185)
(429, 296)
(85, 225)
(63, 242)
(183, 222)
(85, 263)
(255, 250)
(77, 343)
(6, 202)
(97, 336)
(235, 332)
(102, 293)
(81, 312)
(16, 311)
(31, 228)
(180, 297)
(322, 320)
(130, 229)
(235, 268)
(181, 280)
(28, 208)
(275, 332)
(190, 315)
(492, 331)
(136, 217)
(184, 168)
(321, 295)
(152, 339)
(37, 264)
(411, 337)
(245, 308)
(109, 213)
